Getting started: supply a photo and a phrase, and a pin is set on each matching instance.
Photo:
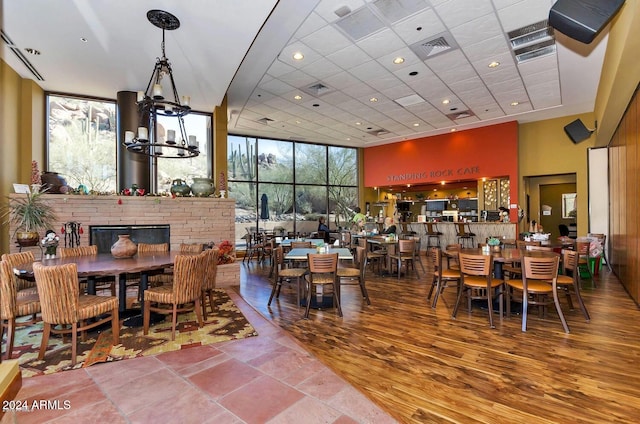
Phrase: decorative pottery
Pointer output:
(27, 238)
(180, 188)
(54, 183)
(124, 247)
(203, 187)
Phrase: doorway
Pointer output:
(548, 207)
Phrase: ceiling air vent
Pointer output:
(317, 89)
(532, 41)
(360, 23)
(265, 120)
(379, 132)
(395, 10)
(441, 43)
(460, 115)
(21, 57)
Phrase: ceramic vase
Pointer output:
(124, 247)
(202, 187)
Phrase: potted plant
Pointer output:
(30, 214)
(494, 242)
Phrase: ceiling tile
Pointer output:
(458, 12)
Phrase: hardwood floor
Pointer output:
(422, 366)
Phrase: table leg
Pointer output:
(91, 285)
(122, 291)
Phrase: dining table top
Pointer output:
(300, 254)
(105, 264)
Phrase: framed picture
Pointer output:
(21, 188)
(569, 205)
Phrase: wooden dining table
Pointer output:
(104, 264)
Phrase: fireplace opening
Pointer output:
(105, 235)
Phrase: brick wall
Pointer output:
(192, 219)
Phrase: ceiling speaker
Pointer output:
(577, 132)
(582, 20)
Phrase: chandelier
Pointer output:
(161, 98)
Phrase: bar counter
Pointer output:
(482, 230)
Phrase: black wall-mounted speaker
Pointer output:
(582, 20)
(577, 132)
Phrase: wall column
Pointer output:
(132, 168)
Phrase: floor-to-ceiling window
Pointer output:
(284, 186)
(82, 141)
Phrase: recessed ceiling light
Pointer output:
(398, 60)
(316, 105)
(298, 56)
(494, 64)
(515, 103)
(435, 189)
(297, 97)
(297, 122)
(348, 138)
(373, 99)
(416, 125)
(358, 123)
(32, 51)
(442, 183)
(413, 73)
(453, 130)
(83, 39)
(445, 101)
(408, 185)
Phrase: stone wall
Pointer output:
(192, 220)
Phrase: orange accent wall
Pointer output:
(489, 152)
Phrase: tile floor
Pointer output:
(264, 379)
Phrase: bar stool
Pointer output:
(431, 231)
(464, 234)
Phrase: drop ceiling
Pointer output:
(373, 72)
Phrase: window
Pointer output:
(168, 169)
(295, 182)
(82, 141)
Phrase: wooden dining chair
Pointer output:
(13, 307)
(538, 286)
(323, 269)
(464, 234)
(582, 248)
(405, 254)
(20, 258)
(102, 283)
(209, 280)
(156, 278)
(62, 305)
(602, 238)
(182, 296)
(478, 284)
(569, 280)
(441, 276)
(191, 247)
(281, 273)
(355, 276)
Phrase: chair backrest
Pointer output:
(479, 265)
(7, 291)
(188, 277)
(461, 229)
(58, 289)
(190, 247)
(68, 252)
(406, 246)
(535, 268)
(435, 255)
(153, 247)
(432, 228)
(582, 247)
(301, 245)
(564, 230)
(522, 244)
(540, 248)
(361, 260)
(16, 259)
(321, 263)
(211, 268)
(569, 261)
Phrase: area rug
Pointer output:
(227, 323)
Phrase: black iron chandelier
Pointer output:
(161, 98)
